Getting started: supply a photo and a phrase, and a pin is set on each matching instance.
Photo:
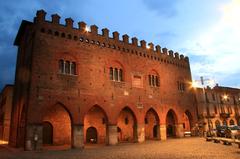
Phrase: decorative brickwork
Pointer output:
(99, 80)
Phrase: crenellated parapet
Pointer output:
(91, 35)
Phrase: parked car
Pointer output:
(233, 132)
(221, 130)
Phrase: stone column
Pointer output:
(179, 130)
(112, 134)
(77, 136)
(140, 133)
(33, 140)
(163, 132)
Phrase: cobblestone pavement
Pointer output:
(185, 148)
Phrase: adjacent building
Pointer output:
(5, 112)
(217, 106)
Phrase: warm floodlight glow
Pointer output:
(194, 84)
(225, 97)
(2, 142)
(87, 29)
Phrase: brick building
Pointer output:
(218, 106)
(75, 86)
(5, 112)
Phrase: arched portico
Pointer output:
(152, 130)
(127, 126)
(187, 121)
(171, 123)
(57, 126)
(95, 126)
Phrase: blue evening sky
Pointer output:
(207, 31)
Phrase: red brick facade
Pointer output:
(95, 88)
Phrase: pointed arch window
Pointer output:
(111, 73)
(116, 74)
(120, 75)
(153, 80)
(67, 67)
(61, 66)
(73, 68)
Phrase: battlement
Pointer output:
(91, 35)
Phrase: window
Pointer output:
(213, 97)
(116, 74)
(67, 67)
(153, 80)
(111, 73)
(120, 75)
(149, 80)
(137, 81)
(61, 66)
(215, 109)
(231, 122)
(217, 123)
(157, 81)
(73, 68)
(181, 86)
(224, 122)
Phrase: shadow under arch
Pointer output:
(96, 125)
(127, 125)
(57, 119)
(188, 121)
(152, 130)
(171, 121)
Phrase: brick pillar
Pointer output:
(163, 132)
(140, 132)
(78, 137)
(33, 140)
(179, 130)
(158, 132)
(112, 135)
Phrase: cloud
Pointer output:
(220, 45)
(162, 7)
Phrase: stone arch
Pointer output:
(224, 122)
(217, 123)
(96, 118)
(127, 124)
(152, 130)
(171, 122)
(61, 121)
(91, 135)
(187, 121)
(231, 122)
